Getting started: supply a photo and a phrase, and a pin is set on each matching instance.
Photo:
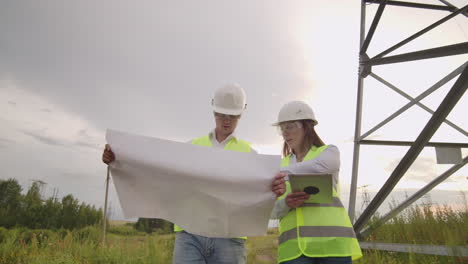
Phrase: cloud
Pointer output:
(6, 140)
(81, 140)
(39, 136)
(44, 121)
(88, 145)
(422, 170)
(435, 198)
(5, 143)
(84, 139)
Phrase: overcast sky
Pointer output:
(71, 69)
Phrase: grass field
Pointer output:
(442, 226)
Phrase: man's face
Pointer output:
(226, 124)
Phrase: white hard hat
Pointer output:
(295, 110)
(229, 100)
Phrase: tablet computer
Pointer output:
(318, 185)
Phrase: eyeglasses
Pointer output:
(226, 117)
(288, 127)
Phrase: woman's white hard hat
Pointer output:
(229, 100)
(295, 110)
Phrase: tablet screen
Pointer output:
(318, 185)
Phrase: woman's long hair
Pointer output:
(310, 137)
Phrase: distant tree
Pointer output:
(32, 207)
(98, 215)
(142, 225)
(69, 212)
(150, 225)
(87, 215)
(52, 211)
(10, 202)
(32, 211)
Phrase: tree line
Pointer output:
(150, 225)
(33, 211)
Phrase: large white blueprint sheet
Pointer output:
(206, 191)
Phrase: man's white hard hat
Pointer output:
(229, 100)
(295, 110)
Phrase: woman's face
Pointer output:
(293, 134)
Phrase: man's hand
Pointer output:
(108, 156)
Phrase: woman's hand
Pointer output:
(296, 199)
(108, 156)
(278, 186)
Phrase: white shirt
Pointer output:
(221, 144)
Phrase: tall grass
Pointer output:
(21, 246)
(426, 224)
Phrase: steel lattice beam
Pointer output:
(431, 127)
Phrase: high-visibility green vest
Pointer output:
(233, 144)
(314, 229)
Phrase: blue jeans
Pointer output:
(326, 260)
(194, 249)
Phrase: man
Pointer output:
(228, 104)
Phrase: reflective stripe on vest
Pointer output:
(314, 229)
(317, 231)
(336, 202)
(233, 144)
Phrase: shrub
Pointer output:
(3, 234)
(89, 233)
(124, 230)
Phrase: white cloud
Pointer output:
(34, 116)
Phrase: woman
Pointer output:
(310, 232)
